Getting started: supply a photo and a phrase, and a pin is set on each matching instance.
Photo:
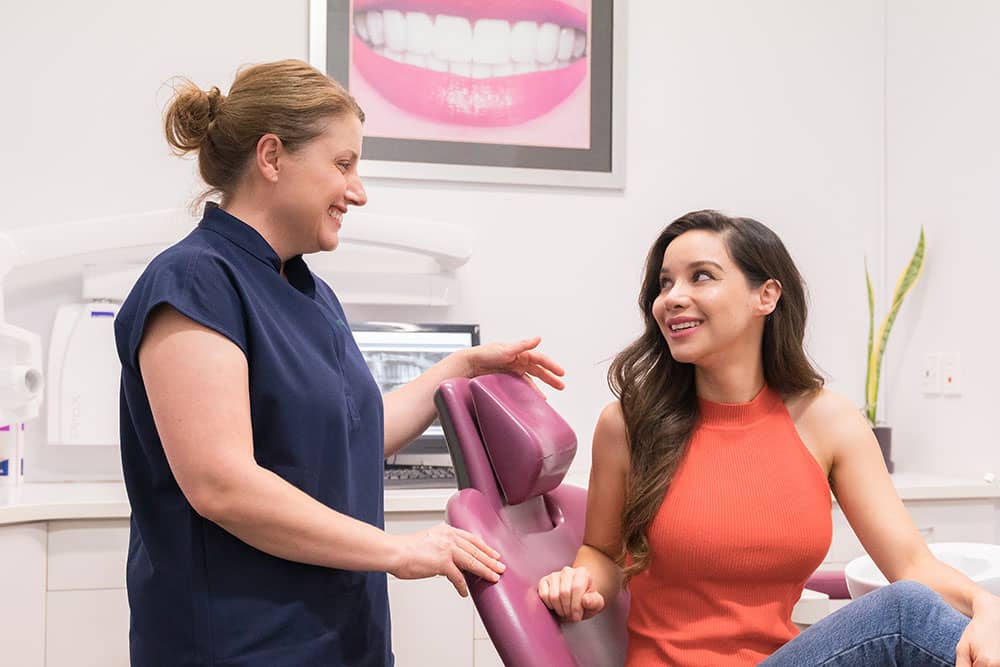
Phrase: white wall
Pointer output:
(943, 148)
(773, 109)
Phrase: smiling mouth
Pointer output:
(452, 61)
(683, 326)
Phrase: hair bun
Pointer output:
(215, 98)
(189, 116)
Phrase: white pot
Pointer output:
(980, 562)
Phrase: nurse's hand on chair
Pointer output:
(519, 358)
(446, 551)
(570, 594)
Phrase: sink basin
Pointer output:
(980, 562)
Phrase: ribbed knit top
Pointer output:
(745, 521)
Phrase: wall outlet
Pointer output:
(951, 374)
(930, 375)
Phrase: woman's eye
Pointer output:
(702, 275)
(344, 166)
(665, 283)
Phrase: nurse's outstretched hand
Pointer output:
(520, 358)
(446, 551)
(570, 594)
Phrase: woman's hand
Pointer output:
(980, 643)
(570, 594)
(446, 551)
(519, 358)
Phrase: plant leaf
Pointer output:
(907, 280)
(870, 401)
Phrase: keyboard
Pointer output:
(419, 477)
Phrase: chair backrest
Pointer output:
(511, 451)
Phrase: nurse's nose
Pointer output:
(356, 194)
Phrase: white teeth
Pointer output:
(419, 30)
(523, 37)
(453, 39)
(415, 59)
(481, 49)
(566, 38)
(461, 69)
(684, 325)
(437, 65)
(361, 26)
(395, 29)
(491, 42)
(547, 44)
(376, 28)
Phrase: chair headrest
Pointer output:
(529, 444)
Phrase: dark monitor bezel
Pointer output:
(421, 327)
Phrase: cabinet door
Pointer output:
(87, 554)
(486, 652)
(944, 520)
(22, 601)
(87, 628)
(431, 623)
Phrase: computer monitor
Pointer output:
(398, 352)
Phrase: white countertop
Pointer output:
(53, 501)
(919, 486)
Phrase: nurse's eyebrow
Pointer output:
(694, 265)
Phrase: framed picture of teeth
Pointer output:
(502, 91)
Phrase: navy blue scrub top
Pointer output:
(199, 595)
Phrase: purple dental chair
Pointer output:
(511, 450)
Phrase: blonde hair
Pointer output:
(288, 98)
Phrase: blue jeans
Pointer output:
(902, 624)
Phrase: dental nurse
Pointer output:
(252, 433)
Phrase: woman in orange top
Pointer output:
(711, 478)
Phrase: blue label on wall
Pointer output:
(4, 468)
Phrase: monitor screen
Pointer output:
(397, 353)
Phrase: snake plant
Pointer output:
(876, 344)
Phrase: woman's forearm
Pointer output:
(272, 515)
(956, 588)
(604, 572)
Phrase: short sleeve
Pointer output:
(195, 282)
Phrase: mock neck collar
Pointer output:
(737, 415)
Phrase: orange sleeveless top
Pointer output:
(744, 523)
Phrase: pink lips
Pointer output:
(449, 98)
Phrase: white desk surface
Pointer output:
(53, 501)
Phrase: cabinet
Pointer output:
(64, 602)
(22, 601)
(86, 616)
(431, 623)
(937, 519)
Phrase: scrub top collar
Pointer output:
(249, 239)
(240, 233)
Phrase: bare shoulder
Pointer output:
(827, 420)
(610, 446)
(821, 405)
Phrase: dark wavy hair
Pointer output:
(657, 393)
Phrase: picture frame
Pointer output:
(429, 119)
